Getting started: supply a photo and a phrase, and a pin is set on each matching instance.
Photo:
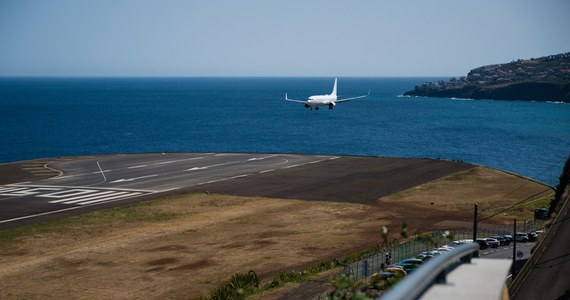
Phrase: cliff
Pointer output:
(537, 79)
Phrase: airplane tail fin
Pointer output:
(334, 88)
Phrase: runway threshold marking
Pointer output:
(71, 195)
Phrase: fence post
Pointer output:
(514, 247)
(475, 223)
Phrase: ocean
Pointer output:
(55, 117)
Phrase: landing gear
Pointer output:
(331, 106)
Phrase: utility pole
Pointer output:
(514, 247)
(475, 223)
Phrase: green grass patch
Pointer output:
(238, 287)
(284, 277)
(523, 210)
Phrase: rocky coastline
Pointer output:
(537, 79)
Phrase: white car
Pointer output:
(493, 243)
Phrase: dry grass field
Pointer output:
(184, 246)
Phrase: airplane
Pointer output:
(329, 100)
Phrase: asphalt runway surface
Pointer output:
(39, 190)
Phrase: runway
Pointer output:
(82, 184)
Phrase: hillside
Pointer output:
(537, 79)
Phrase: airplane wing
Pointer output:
(352, 98)
(293, 100)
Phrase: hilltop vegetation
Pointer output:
(537, 79)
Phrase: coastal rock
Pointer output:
(538, 79)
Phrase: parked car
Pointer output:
(532, 236)
(442, 249)
(424, 256)
(408, 267)
(482, 244)
(384, 275)
(493, 243)
(502, 240)
(416, 261)
(396, 270)
(427, 255)
(508, 237)
(456, 243)
(521, 237)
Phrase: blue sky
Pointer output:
(274, 38)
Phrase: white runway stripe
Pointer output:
(86, 199)
(6, 190)
(67, 193)
(109, 199)
(80, 198)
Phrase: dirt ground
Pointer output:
(203, 239)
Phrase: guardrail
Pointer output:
(432, 272)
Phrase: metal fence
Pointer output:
(397, 251)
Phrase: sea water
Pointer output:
(55, 117)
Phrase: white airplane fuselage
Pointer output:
(329, 100)
(321, 100)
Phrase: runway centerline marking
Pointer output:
(261, 158)
(133, 179)
(212, 181)
(178, 160)
(212, 166)
(239, 176)
(136, 167)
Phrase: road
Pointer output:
(548, 275)
(83, 184)
(506, 252)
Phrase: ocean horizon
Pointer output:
(48, 117)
